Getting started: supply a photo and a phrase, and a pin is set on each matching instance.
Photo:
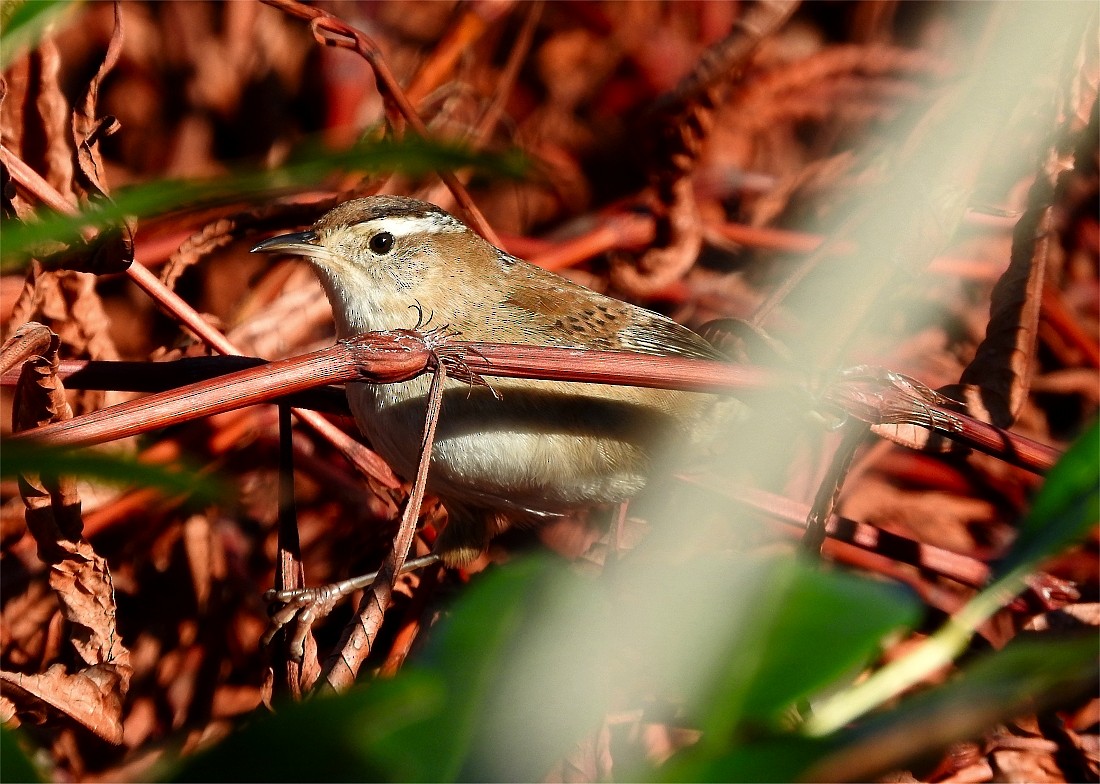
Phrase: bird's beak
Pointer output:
(302, 243)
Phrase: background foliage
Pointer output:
(696, 641)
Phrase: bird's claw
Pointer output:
(299, 609)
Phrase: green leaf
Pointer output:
(522, 671)
(1066, 508)
(22, 23)
(456, 713)
(467, 654)
(1027, 676)
(808, 629)
(412, 156)
(16, 765)
(826, 624)
(24, 457)
(356, 736)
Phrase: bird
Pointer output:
(521, 451)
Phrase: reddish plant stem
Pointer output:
(364, 459)
(397, 356)
(333, 31)
(359, 636)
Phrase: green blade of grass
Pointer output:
(1065, 509)
(308, 168)
(21, 457)
(22, 23)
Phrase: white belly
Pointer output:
(543, 448)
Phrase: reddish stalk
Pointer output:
(359, 636)
(365, 460)
(385, 357)
(333, 31)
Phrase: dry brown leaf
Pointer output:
(199, 87)
(53, 110)
(78, 576)
(67, 303)
(198, 544)
(91, 697)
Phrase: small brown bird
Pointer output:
(545, 447)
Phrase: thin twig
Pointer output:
(359, 636)
(290, 574)
(846, 535)
(483, 130)
(330, 30)
(832, 483)
(439, 66)
(371, 465)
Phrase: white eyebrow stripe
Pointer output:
(404, 225)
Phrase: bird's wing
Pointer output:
(559, 312)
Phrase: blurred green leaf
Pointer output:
(511, 683)
(356, 736)
(1066, 508)
(532, 636)
(467, 653)
(780, 759)
(22, 457)
(412, 156)
(809, 628)
(1030, 675)
(22, 23)
(16, 766)
(826, 624)
(436, 721)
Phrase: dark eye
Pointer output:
(381, 243)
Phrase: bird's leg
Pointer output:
(305, 606)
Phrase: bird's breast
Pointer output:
(543, 446)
